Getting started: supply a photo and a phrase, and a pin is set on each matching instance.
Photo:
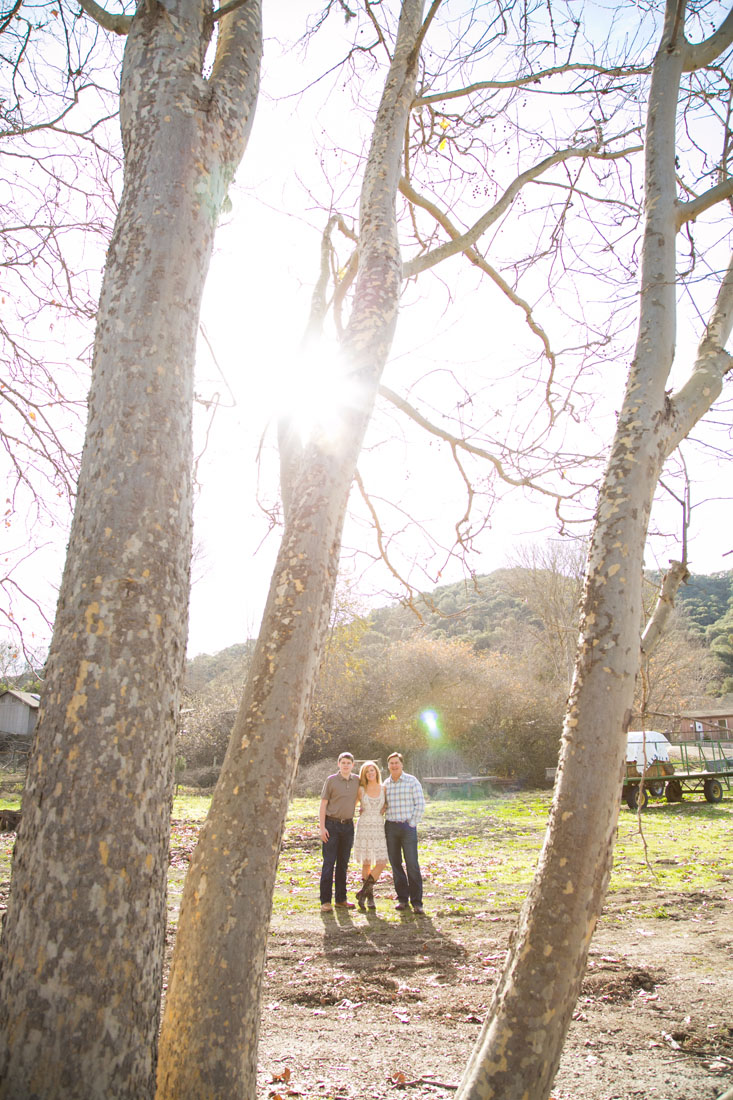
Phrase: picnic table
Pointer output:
(467, 785)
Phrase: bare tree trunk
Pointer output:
(519, 1048)
(84, 932)
(211, 1023)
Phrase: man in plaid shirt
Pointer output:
(405, 807)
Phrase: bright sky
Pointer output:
(255, 309)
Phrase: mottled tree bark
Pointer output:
(210, 1029)
(84, 932)
(519, 1048)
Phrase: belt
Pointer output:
(341, 820)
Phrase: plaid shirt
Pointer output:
(405, 799)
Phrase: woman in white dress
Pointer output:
(370, 846)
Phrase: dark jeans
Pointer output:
(402, 841)
(336, 852)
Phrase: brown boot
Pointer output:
(366, 890)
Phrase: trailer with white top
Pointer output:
(703, 767)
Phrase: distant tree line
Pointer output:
(487, 661)
(20, 670)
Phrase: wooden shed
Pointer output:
(18, 713)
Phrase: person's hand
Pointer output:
(324, 834)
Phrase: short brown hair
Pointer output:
(397, 754)
(347, 755)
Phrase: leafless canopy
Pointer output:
(520, 224)
(59, 142)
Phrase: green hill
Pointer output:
(490, 611)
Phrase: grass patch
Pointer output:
(190, 807)
(481, 855)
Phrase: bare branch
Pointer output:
(426, 25)
(414, 197)
(713, 362)
(226, 9)
(463, 444)
(704, 53)
(688, 211)
(380, 533)
(531, 78)
(378, 29)
(465, 518)
(109, 21)
(450, 248)
(317, 314)
(9, 17)
(290, 446)
(673, 578)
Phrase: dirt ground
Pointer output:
(369, 1006)
(358, 1007)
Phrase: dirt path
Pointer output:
(359, 1006)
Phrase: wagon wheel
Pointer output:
(635, 797)
(674, 791)
(713, 789)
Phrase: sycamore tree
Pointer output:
(212, 1013)
(84, 931)
(518, 1051)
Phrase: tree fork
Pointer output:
(208, 1047)
(83, 937)
(518, 1051)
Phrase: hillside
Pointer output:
(490, 611)
(704, 599)
(484, 610)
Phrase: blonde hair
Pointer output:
(363, 771)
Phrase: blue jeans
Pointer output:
(336, 852)
(402, 841)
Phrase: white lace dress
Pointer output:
(369, 842)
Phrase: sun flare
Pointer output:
(318, 393)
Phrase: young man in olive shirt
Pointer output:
(338, 802)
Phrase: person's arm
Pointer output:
(322, 820)
(358, 805)
(418, 808)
